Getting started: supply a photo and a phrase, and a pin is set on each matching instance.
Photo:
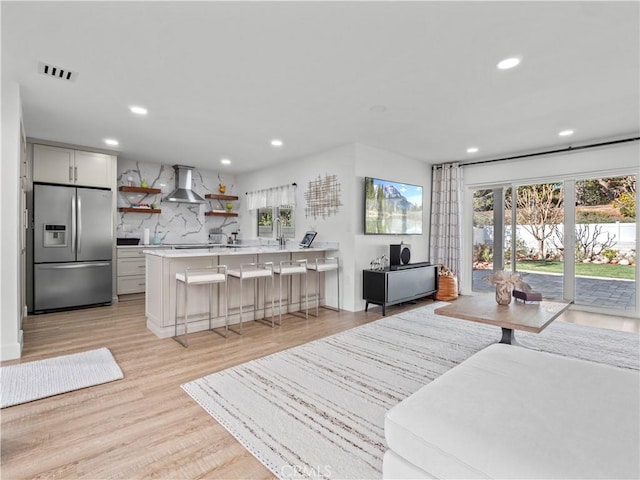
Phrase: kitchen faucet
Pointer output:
(279, 236)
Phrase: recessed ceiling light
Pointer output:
(111, 141)
(276, 143)
(472, 149)
(138, 110)
(225, 161)
(565, 133)
(508, 63)
(378, 109)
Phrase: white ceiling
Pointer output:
(221, 79)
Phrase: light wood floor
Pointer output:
(145, 425)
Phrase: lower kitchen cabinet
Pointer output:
(131, 269)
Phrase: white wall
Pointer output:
(373, 162)
(336, 228)
(350, 163)
(586, 163)
(10, 331)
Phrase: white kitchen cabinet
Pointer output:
(53, 164)
(130, 264)
(71, 167)
(93, 169)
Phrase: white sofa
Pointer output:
(511, 412)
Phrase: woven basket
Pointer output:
(447, 288)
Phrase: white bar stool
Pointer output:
(200, 276)
(287, 268)
(254, 271)
(322, 265)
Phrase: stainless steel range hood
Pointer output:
(183, 192)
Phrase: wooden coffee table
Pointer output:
(482, 308)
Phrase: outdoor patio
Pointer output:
(597, 292)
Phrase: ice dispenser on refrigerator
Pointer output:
(55, 236)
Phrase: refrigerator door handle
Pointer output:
(44, 266)
(79, 248)
(73, 224)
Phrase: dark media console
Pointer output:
(398, 284)
(410, 265)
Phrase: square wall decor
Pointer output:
(323, 197)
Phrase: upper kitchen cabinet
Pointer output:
(71, 167)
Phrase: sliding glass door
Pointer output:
(538, 248)
(571, 239)
(491, 236)
(605, 242)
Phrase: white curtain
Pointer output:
(446, 216)
(272, 197)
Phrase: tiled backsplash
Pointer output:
(178, 222)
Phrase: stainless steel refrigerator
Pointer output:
(72, 246)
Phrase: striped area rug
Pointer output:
(317, 410)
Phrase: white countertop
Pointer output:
(237, 250)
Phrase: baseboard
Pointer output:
(11, 351)
(130, 296)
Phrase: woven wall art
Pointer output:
(323, 197)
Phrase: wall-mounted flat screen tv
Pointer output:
(392, 208)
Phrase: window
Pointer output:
(265, 222)
(286, 216)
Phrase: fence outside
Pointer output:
(624, 235)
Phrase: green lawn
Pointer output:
(585, 269)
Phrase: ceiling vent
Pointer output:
(57, 72)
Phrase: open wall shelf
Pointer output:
(221, 211)
(131, 193)
(150, 191)
(220, 214)
(218, 196)
(139, 210)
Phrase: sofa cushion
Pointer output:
(511, 412)
(394, 466)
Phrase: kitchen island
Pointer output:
(163, 264)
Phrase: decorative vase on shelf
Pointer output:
(222, 187)
(503, 293)
(229, 207)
